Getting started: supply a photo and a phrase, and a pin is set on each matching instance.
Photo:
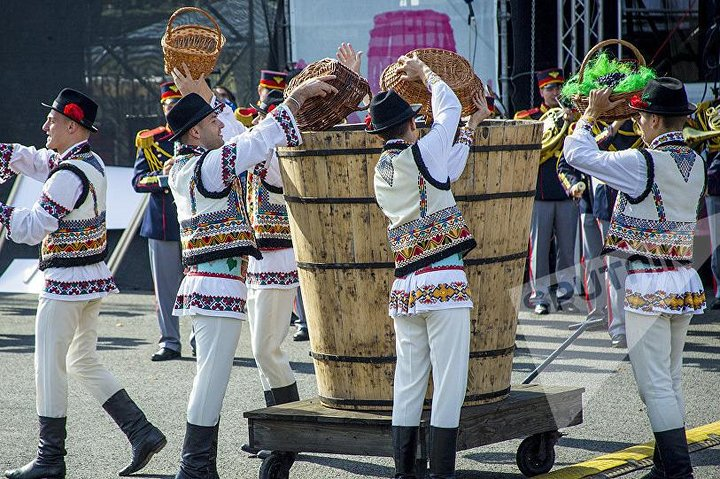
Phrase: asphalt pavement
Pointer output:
(614, 415)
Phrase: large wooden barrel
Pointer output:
(346, 267)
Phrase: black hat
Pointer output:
(663, 96)
(188, 112)
(388, 109)
(273, 99)
(77, 106)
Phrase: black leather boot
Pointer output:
(674, 452)
(196, 452)
(146, 440)
(286, 394)
(405, 439)
(443, 445)
(213, 453)
(269, 401)
(50, 460)
(658, 470)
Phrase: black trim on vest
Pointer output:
(80, 174)
(424, 171)
(650, 166)
(463, 247)
(199, 184)
(69, 262)
(278, 190)
(222, 254)
(273, 243)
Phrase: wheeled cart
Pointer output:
(531, 411)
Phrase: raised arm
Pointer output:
(465, 138)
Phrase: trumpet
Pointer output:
(555, 128)
(708, 118)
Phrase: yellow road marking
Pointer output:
(698, 438)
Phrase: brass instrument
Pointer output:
(709, 118)
(555, 128)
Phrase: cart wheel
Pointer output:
(276, 466)
(536, 454)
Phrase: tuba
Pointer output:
(555, 128)
(709, 119)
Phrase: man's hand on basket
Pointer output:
(413, 69)
(310, 88)
(186, 84)
(482, 113)
(599, 103)
(347, 55)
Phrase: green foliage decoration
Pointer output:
(605, 71)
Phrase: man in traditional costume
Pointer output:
(272, 281)
(652, 229)
(554, 215)
(160, 223)
(216, 234)
(429, 301)
(69, 220)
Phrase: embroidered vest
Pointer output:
(659, 225)
(267, 211)
(81, 237)
(212, 225)
(425, 223)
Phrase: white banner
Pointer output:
(386, 29)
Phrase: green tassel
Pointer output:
(601, 66)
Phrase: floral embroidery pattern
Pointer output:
(657, 197)
(206, 302)
(5, 215)
(669, 137)
(6, 151)
(466, 136)
(227, 163)
(267, 212)
(422, 189)
(279, 278)
(664, 301)
(76, 288)
(54, 209)
(284, 119)
(432, 79)
(402, 302)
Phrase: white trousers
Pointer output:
(615, 274)
(655, 345)
(440, 339)
(216, 341)
(65, 344)
(269, 313)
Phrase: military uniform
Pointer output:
(160, 225)
(554, 215)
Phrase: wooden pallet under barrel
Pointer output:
(533, 412)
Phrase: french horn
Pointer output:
(555, 128)
(710, 120)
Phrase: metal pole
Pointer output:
(504, 67)
(581, 327)
(619, 24)
(587, 24)
(601, 23)
(560, 34)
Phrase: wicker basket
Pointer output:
(451, 67)
(622, 110)
(195, 45)
(322, 113)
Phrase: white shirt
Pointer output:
(31, 225)
(413, 294)
(626, 171)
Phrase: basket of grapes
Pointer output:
(599, 70)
